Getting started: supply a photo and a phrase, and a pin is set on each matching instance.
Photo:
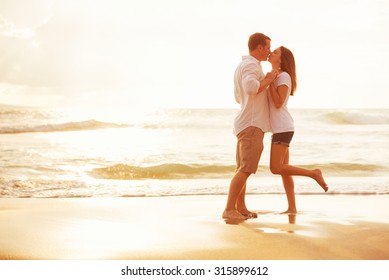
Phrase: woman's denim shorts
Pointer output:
(283, 138)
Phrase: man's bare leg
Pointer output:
(237, 184)
(241, 204)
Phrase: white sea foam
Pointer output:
(56, 127)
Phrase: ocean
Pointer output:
(168, 152)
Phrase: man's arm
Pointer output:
(250, 82)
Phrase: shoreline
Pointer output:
(327, 227)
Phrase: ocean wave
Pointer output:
(347, 168)
(163, 171)
(68, 126)
(359, 117)
(183, 171)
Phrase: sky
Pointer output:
(177, 53)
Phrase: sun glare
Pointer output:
(35, 44)
(178, 54)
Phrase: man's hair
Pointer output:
(257, 39)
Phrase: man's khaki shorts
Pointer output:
(249, 149)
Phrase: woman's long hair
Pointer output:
(288, 65)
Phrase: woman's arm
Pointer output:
(278, 94)
(269, 79)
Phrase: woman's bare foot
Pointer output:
(233, 215)
(290, 212)
(320, 180)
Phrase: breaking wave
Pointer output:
(367, 117)
(163, 171)
(68, 126)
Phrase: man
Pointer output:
(250, 85)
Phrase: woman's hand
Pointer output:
(272, 75)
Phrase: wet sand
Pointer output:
(327, 227)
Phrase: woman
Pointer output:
(282, 60)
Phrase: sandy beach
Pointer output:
(327, 227)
